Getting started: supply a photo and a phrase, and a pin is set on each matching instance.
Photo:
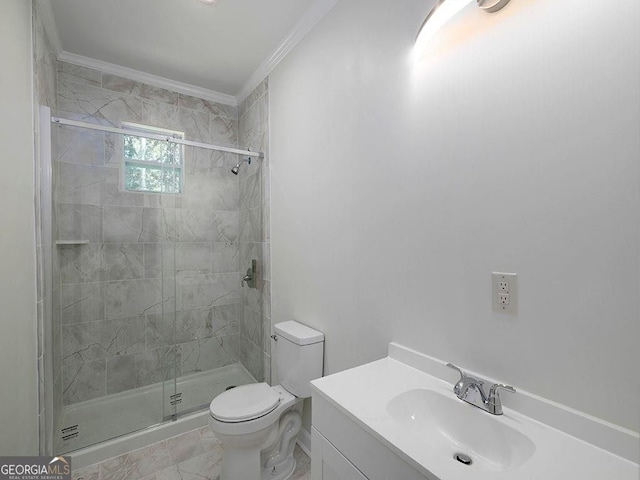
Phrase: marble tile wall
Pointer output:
(255, 343)
(44, 88)
(147, 254)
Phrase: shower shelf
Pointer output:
(72, 242)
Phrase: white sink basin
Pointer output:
(449, 426)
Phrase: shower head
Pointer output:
(236, 169)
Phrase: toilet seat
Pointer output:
(244, 403)
(258, 422)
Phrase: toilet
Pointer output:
(258, 424)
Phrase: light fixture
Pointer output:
(209, 2)
(445, 9)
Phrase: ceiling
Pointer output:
(217, 48)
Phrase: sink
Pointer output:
(398, 417)
(449, 426)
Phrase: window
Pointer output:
(152, 165)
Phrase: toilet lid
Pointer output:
(244, 403)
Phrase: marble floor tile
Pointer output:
(185, 446)
(92, 472)
(303, 465)
(194, 455)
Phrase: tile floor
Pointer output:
(194, 455)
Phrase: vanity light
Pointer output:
(445, 9)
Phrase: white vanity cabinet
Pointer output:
(342, 450)
(328, 463)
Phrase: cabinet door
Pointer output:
(327, 463)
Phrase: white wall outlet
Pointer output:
(504, 292)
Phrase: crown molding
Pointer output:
(49, 22)
(310, 19)
(306, 23)
(149, 79)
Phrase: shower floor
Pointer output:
(111, 416)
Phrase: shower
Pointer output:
(157, 340)
(236, 169)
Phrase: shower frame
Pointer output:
(166, 138)
(46, 117)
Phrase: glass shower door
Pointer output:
(212, 322)
(153, 242)
(108, 359)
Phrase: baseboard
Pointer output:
(304, 441)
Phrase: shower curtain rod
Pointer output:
(166, 138)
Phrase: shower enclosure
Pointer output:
(153, 235)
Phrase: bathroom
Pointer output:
(391, 188)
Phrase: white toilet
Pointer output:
(258, 424)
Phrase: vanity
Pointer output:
(398, 419)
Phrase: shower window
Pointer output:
(152, 165)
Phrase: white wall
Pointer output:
(18, 369)
(398, 186)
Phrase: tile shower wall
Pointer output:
(113, 334)
(48, 286)
(255, 343)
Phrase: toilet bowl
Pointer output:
(257, 423)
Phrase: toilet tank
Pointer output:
(299, 356)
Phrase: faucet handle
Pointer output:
(498, 386)
(460, 371)
(494, 405)
(462, 385)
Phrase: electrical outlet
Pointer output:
(504, 292)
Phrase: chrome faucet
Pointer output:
(252, 275)
(472, 391)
